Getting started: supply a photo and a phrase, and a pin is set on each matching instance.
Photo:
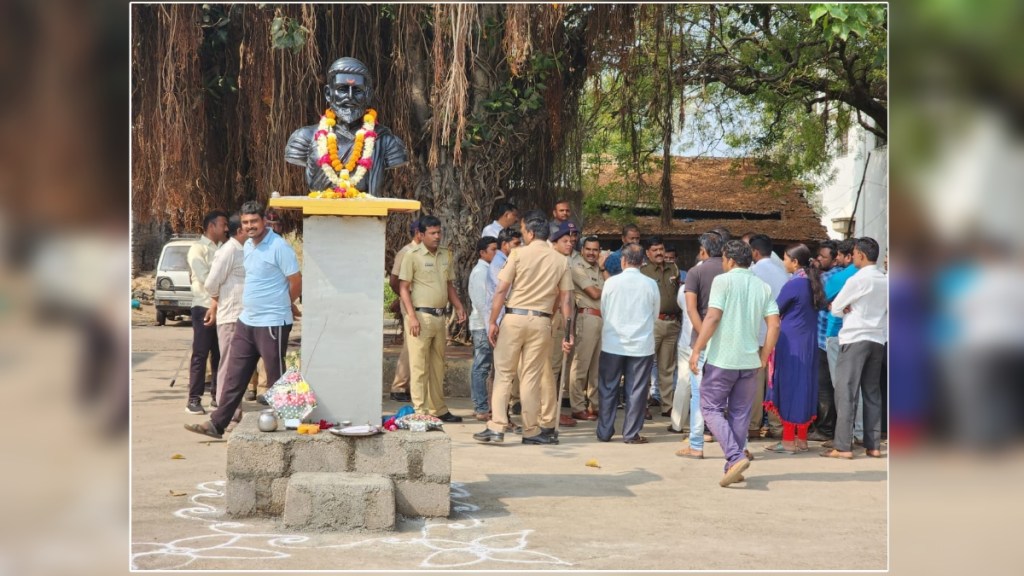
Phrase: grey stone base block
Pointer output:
(339, 501)
(261, 464)
(427, 499)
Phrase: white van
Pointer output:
(173, 290)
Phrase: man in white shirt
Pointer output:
(775, 277)
(204, 338)
(483, 354)
(508, 216)
(863, 306)
(630, 302)
(225, 284)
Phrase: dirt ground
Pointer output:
(514, 507)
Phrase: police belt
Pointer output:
(432, 311)
(590, 311)
(525, 312)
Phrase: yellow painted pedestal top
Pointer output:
(345, 207)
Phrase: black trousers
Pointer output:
(637, 372)
(859, 368)
(826, 421)
(204, 345)
(249, 344)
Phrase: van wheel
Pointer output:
(161, 317)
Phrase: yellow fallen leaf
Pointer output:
(176, 493)
(593, 463)
(177, 457)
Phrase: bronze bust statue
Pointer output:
(349, 91)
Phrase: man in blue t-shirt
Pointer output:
(272, 284)
(613, 262)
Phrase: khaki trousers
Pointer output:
(401, 381)
(225, 332)
(585, 361)
(426, 365)
(757, 410)
(666, 337)
(550, 405)
(525, 339)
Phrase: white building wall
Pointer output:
(840, 196)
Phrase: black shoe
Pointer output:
(194, 406)
(261, 400)
(818, 436)
(652, 402)
(449, 417)
(401, 397)
(549, 432)
(540, 439)
(517, 409)
(250, 395)
(489, 435)
(674, 431)
(514, 429)
(667, 414)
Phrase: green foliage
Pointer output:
(500, 112)
(840, 20)
(287, 34)
(389, 299)
(780, 83)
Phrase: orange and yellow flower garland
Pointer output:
(360, 160)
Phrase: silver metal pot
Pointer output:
(267, 421)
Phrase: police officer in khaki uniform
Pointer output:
(563, 240)
(666, 327)
(400, 385)
(587, 283)
(537, 276)
(425, 285)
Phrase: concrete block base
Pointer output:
(262, 467)
(339, 501)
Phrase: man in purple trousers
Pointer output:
(738, 302)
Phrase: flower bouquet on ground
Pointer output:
(291, 397)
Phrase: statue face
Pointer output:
(348, 96)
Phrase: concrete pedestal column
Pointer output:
(343, 303)
(343, 312)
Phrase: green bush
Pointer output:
(389, 299)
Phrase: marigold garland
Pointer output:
(360, 160)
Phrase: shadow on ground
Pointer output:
(489, 494)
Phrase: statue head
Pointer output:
(348, 90)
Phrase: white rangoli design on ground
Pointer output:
(229, 540)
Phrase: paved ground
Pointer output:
(515, 507)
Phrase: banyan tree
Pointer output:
(492, 101)
(484, 96)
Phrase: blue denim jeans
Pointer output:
(696, 417)
(483, 358)
(655, 393)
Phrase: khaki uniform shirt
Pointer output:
(396, 268)
(537, 273)
(586, 276)
(667, 278)
(428, 275)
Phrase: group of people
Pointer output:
(245, 281)
(740, 337)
